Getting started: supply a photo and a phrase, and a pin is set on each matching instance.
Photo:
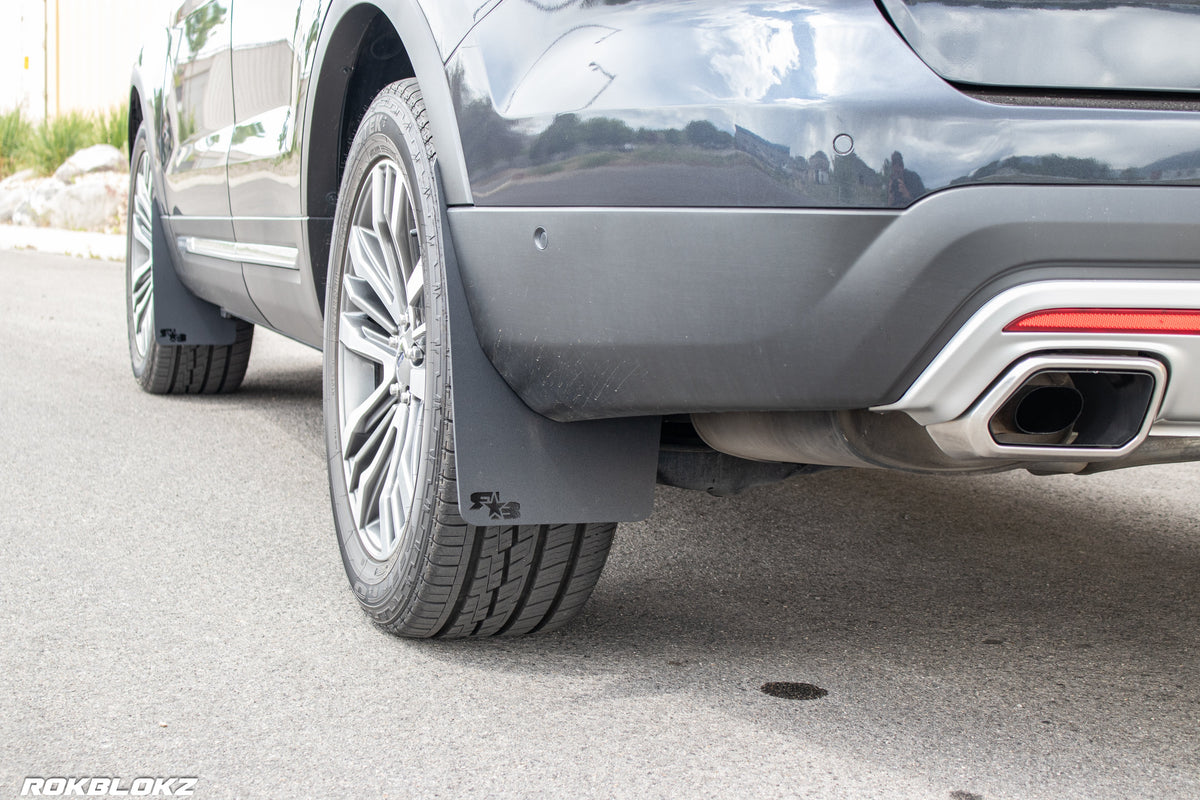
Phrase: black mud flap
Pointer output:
(179, 316)
(515, 466)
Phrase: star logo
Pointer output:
(496, 509)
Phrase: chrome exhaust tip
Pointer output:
(1043, 411)
(1060, 408)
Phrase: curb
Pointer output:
(104, 246)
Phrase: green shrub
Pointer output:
(55, 140)
(113, 128)
(47, 145)
(15, 132)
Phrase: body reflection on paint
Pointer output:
(711, 104)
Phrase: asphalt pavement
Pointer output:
(172, 603)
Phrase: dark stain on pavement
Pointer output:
(787, 690)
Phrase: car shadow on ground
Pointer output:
(1028, 607)
(844, 554)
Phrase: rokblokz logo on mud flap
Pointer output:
(496, 509)
(108, 787)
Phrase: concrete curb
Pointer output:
(106, 246)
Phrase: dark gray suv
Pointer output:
(555, 251)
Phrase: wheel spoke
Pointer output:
(368, 261)
(414, 286)
(392, 514)
(143, 294)
(141, 209)
(403, 434)
(359, 458)
(360, 293)
(141, 235)
(385, 194)
(407, 226)
(141, 274)
(409, 454)
(358, 337)
(362, 421)
(369, 468)
(416, 382)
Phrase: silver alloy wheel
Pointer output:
(141, 276)
(381, 357)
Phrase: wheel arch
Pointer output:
(135, 117)
(146, 87)
(364, 47)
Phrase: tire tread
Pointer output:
(199, 369)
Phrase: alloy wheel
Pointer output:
(141, 275)
(381, 359)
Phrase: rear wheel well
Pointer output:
(364, 54)
(135, 117)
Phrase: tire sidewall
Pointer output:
(390, 130)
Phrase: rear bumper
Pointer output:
(630, 312)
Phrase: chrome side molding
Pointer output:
(268, 255)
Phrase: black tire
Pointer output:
(428, 573)
(165, 368)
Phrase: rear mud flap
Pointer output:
(515, 466)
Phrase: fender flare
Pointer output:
(344, 22)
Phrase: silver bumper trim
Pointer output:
(981, 350)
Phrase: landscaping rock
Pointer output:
(97, 158)
(13, 191)
(35, 210)
(87, 193)
(92, 203)
(24, 176)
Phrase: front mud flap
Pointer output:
(515, 466)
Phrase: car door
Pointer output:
(200, 113)
(273, 47)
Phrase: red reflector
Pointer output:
(1108, 320)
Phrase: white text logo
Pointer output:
(108, 787)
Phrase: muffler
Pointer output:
(1060, 408)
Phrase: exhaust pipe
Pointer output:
(1042, 411)
(1060, 408)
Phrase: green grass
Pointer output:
(45, 146)
(112, 127)
(55, 140)
(15, 132)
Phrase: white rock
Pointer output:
(14, 190)
(18, 178)
(9, 200)
(39, 196)
(97, 158)
(92, 203)
(23, 214)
